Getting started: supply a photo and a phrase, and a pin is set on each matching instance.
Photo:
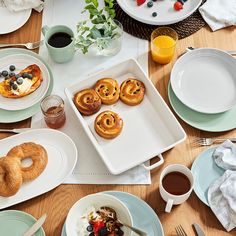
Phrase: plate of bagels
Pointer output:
(120, 110)
(32, 163)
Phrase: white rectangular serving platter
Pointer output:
(149, 128)
(62, 157)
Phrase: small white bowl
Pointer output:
(97, 200)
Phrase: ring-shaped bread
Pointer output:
(108, 90)
(36, 153)
(10, 177)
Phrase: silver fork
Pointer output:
(210, 141)
(180, 231)
(27, 45)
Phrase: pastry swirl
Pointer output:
(108, 124)
(108, 90)
(132, 91)
(87, 102)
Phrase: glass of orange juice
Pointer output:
(163, 43)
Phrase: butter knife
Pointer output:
(233, 53)
(198, 230)
(17, 131)
(35, 227)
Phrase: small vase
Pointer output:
(112, 45)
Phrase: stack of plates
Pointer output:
(202, 89)
(142, 214)
(13, 110)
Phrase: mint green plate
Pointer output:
(15, 116)
(15, 223)
(205, 172)
(207, 122)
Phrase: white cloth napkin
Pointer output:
(219, 13)
(222, 199)
(225, 155)
(20, 5)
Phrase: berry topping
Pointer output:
(150, 4)
(154, 14)
(103, 231)
(90, 228)
(17, 76)
(12, 74)
(19, 81)
(92, 234)
(14, 86)
(25, 75)
(12, 68)
(30, 76)
(5, 73)
(178, 6)
(140, 2)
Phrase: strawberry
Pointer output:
(98, 225)
(178, 6)
(140, 2)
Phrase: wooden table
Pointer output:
(57, 202)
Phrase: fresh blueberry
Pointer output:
(103, 231)
(120, 232)
(19, 81)
(25, 75)
(90, 228)
(11, 82)
(92, 234)
(12, 74)
(30, 76)
(12, 68)
(17, 76)
(154, 14)
(5, 73)
(14, 86)
(150, 4)
(185, 0)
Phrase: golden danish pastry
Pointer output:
(10, 177)
(108, 90)
(132, 92)
(36, 153)
(11, 88)
(87, 102)
(108, 124)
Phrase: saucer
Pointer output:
(15, 223)
(143, 215)
(207, 122)
(205, 172)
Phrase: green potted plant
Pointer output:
(100, 30)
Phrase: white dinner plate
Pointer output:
(11, 21)
(165, 11)
(204, 80)
(21, 61)
(62, 157)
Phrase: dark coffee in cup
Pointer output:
(60, 40)
(176, 183)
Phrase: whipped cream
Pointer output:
(22, 88)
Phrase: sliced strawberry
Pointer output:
(98, 225)
(140, 2)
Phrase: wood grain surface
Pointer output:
(57, 202)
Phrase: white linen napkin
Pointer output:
(219, 13)
(20, 5)
(225, 155)
(222, 199)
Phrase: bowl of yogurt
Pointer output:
(98, 215)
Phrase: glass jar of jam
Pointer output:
(53, 110)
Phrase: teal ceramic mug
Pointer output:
(59, 42)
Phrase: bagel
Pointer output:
(36, 153)
(10, 176)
